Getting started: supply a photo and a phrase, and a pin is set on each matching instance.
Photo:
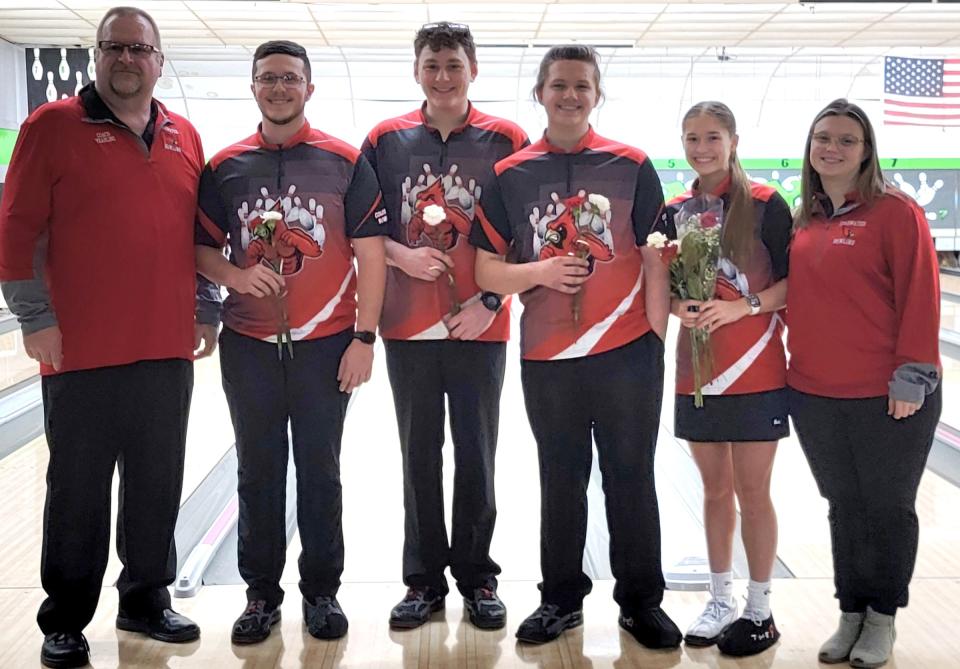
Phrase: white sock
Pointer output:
(721, 585)
(758, 598)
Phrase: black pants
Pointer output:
(868, 467)
(470, 374)
(616, 396)
(133, 417)
(266, 394)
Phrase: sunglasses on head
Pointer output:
(455, 27)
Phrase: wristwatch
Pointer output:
(754, 303)
(365, 336)
(491, 301)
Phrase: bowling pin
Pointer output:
(91, 67)
(51, 89)
(37, 69)
(76, 91)
(64, 68)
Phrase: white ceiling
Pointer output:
(191, 26)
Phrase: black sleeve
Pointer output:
(649, 213)
(369, 152)
(212, 225)
(363, 212)
(776, 229)
(491, 231)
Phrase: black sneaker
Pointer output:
(485, 609)
(253, 625)
(748, 636)
(547, 623)
(324, 618)
(652, 628)
(65, 649)
(416, 608)
(166, 625)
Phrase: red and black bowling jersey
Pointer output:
(417, 168)
(325, 193)
(748, 355)
(546, 202)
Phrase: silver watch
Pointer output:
(754, 302)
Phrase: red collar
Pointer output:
(472, 115)
(301, 136)
(583, 144)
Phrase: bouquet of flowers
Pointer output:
(693, 258)
(264, 230)
(434, 215)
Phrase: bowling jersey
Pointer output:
(602, 199)
(116, 216)
(748, 355)
(325, 193)
(416, 169)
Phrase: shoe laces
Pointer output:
(63, 637)
(547, 612)
(414, 594)
(754, 616)
(486, 593)
(256, 606)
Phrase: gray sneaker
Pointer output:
(416, 608)
(547, 623)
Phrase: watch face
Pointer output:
(491, 301)
(753, 301)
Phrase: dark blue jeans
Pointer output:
(868, 467)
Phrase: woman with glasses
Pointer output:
(864, 374)
(573, 212)
(733, 436)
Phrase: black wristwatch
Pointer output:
(365, 336)
(491, 301)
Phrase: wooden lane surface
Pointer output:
(928, 633)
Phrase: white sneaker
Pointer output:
(716, 617)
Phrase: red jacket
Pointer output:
(864, 298)
(120, 260)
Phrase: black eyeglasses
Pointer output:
(455, 27)
(116, 49)
(288, 80)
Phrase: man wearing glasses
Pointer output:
(96, 261)
(443, 336)
(295, 206)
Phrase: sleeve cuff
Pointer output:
(913, 381)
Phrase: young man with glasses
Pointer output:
(443, 335)
(97, 261)
(294, 206)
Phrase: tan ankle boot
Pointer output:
(875, 644)
(837, 648)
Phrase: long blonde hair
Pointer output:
(870, 184)
(740, 222)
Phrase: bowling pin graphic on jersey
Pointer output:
(37, 69)
(91, 68)
(51, 89)
(64, 69)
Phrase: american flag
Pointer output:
(921, 91)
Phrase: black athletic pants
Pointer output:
(470, 374)
(615, 397)
(868, 467)
(265, 395)
(133, 417)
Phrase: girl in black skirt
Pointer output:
(733, 437)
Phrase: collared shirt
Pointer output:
(535, 209)
(417, 168)
(326, 194)
(98, 111)
(117, 220)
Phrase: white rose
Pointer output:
(271, 216)
(434, 214)
(656, 240)
(600, 202)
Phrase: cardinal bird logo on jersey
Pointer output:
(578, 225)
(281, 232)
(449, 192)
